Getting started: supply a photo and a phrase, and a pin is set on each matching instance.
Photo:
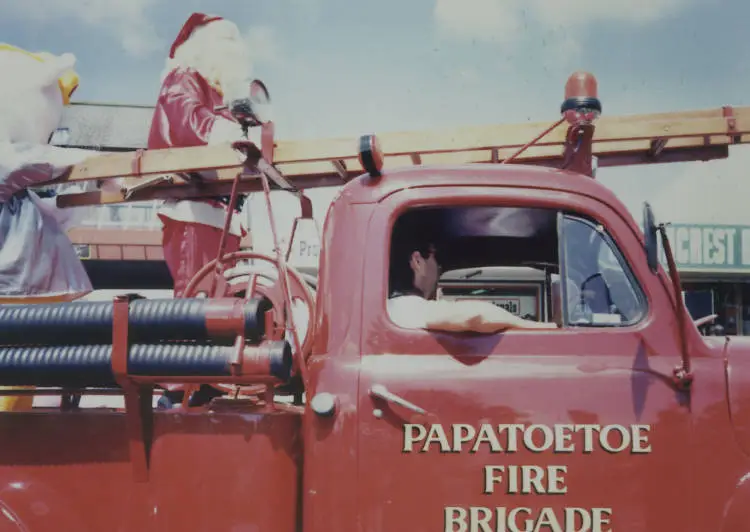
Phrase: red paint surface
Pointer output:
(208, 472)
(230, 472)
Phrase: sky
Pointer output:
(341, 68)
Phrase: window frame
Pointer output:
(393, 338)
(627, 270)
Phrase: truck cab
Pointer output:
(581, 427)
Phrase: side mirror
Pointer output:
(651, 245)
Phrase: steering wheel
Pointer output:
(607, 293)
(298, 288)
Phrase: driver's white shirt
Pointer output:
(410, 311)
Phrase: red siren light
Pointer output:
(370, 155)
(581, 105)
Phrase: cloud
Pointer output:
(126, 20)
(263, 43)
(483, 20)
(307, 11)
(713, 192)
(584, 12)
(503, 21)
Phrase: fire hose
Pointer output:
(186, 340)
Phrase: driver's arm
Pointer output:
(474, 316)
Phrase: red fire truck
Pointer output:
(622, 418)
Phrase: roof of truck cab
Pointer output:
(366, 189)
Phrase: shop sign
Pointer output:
(720, 248)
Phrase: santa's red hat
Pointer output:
(195, 21)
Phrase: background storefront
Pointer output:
(714, 265)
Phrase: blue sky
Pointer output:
(344, 67)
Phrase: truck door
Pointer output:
(570, 430)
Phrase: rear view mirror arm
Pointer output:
(683, 375)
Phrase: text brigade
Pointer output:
(500, 519)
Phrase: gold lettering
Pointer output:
(437, 435)
(531, 475)
(547, 518)
(528, 438)
(454, 515)
(459, 438)
(533, 438)
(571, 523)
(562, 438)
(513, 431)
(487, 434)
(639, 439)
(409, 438)
(599, 518)
(512, 479)
(480, 524)
(606, 443)
(492, 477)
(527, 479)
(588, 436)
(556, 484)
(513, 522)
(523, 519)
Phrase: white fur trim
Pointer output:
(224, 130)
(218, 51)
(201, 213)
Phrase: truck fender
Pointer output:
(28, 505)
(737, 510)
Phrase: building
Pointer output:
(709, 231)
(714, 265)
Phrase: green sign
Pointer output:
(720, 248)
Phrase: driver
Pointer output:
(415, 271)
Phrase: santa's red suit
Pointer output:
(185, 116)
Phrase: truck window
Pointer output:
(510, 257)
(600, 289)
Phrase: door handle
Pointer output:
(381, 392)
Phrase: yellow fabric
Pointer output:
(68, 82)
(16, 403)
(10, 48)
(31, 300)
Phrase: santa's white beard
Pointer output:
(221, 61)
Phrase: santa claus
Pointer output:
(208, 66)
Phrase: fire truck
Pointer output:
(333, 418)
